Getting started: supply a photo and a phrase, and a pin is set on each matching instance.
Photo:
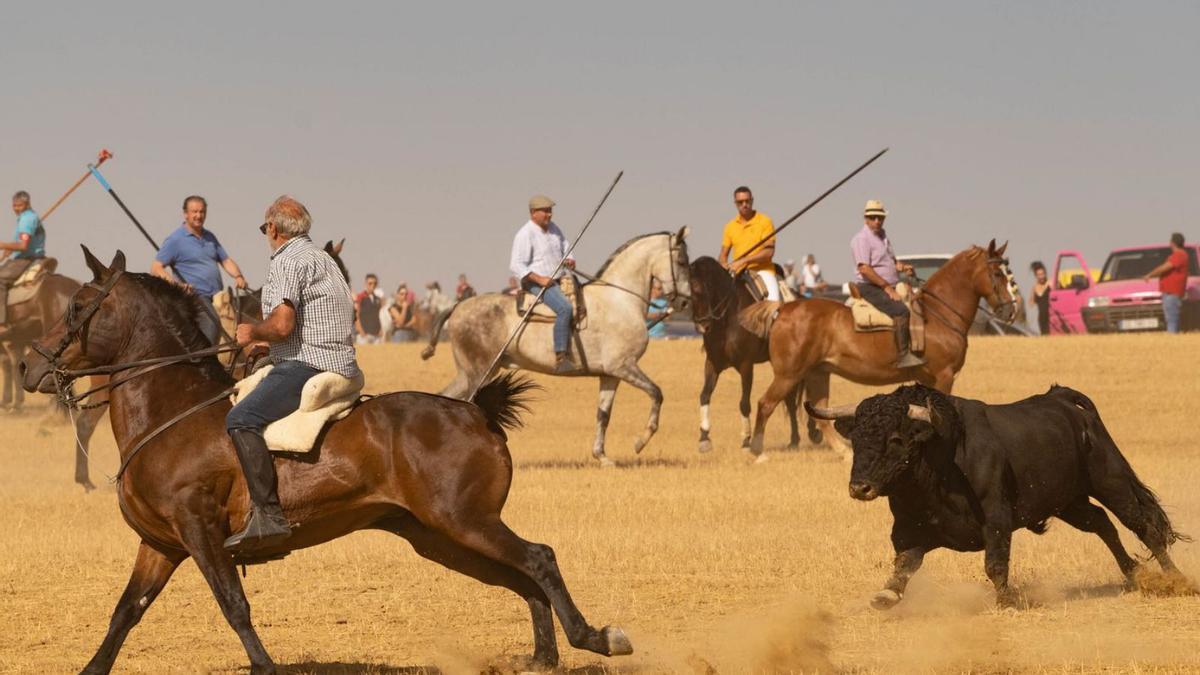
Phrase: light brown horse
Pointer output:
(812, 339)
(433, 470)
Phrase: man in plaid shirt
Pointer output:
(309, 328)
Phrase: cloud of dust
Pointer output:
(792, 637)
(1156, 583)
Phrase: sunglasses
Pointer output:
(879, 218)
(742, 201)
(263, 228)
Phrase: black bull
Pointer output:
(964, 475)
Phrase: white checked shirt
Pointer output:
(310, 280)
(537, 250)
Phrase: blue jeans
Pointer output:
(276, 397)
(561, 306)
(207, 321)
(1172, 304)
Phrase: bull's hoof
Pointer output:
(618, 643)
(705, 446)
(1008, 599)
(885, 599)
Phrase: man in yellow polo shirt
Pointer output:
(749, 228)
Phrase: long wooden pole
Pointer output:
(104, 155)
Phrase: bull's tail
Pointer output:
(503, 399)
(435, 332)
(1134, 503)
(757, 318)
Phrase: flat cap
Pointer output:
(540, 202)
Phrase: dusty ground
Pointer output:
(708, 562)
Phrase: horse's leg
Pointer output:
(460, 386)
(780, 388)
(151, 571)
(6, 371)
(491, 537)
(816, 387)
(205, 539)
(793, 403)
(746, 371)
(608, 391)
(634, 375)
(710, 383)
(443, 550)
(85, 426)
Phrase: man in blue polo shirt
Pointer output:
(197, 258)
(29, 244)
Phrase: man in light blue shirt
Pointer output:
(536, 251)
(29, 244)
(197, 258)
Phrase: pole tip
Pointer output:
(104, 154)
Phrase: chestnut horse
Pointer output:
(812, 339)
(433, 470)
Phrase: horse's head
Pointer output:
(91, 331)
(675, 278)
(993, 281)
(713, 293)
(335, 252)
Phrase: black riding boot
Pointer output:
(266, 525)
(904, 356)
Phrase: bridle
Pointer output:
(994, 298)
(673, 251)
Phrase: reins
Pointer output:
(924, 290)
(167, 425)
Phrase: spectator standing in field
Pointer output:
(811, 274)
(1172, 281)
(402, 315)
(513, 287)
(464, 289)
(657, 312)
(197, 258)
(789, 277)
(1041, 296)
(435, 301)
(367, 326)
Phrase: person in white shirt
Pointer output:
(536, 251)
(813, 281)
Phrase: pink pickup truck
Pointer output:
(1120, 301)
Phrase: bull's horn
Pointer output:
(830, 413)
(919, 412)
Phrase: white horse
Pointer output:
(609, 344)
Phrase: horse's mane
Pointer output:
(624, 246)
(709, 270)
(955, 262)
(178, 311)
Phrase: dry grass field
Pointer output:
(709, 562)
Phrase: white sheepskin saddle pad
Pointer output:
(866, 317)
(326, 397)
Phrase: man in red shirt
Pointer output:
(1172, 281)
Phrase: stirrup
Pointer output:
(263, 530)
(909, 360)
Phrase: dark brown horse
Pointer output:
(810, 340)
(26, 322)
(433, 470)
(717, 299)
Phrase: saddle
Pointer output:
(758, 287)
(326, 397)
(868, 319)
(571, 288)
(26, 286)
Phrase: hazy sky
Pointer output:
(418, 131)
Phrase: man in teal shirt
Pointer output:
(29, 244)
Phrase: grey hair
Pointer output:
(289, 216)
(22, 196)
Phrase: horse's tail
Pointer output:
(1142, 503)
(503, 399)
(757, 318)
(435, 332)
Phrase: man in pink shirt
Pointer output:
(876, 275)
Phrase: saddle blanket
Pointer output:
(26, 286)
(326, 397)
(868, 319)
(543, 314)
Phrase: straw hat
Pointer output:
(874, 207)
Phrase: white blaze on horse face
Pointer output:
(704, 425)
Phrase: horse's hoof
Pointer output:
(755, 445)
(638, 445)
(87, 485)
(705, 446)
(605, 462)
(746, 442)
(885, 599)
(794, 444)
(427, 353)
(762, 459)
(618, 643)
